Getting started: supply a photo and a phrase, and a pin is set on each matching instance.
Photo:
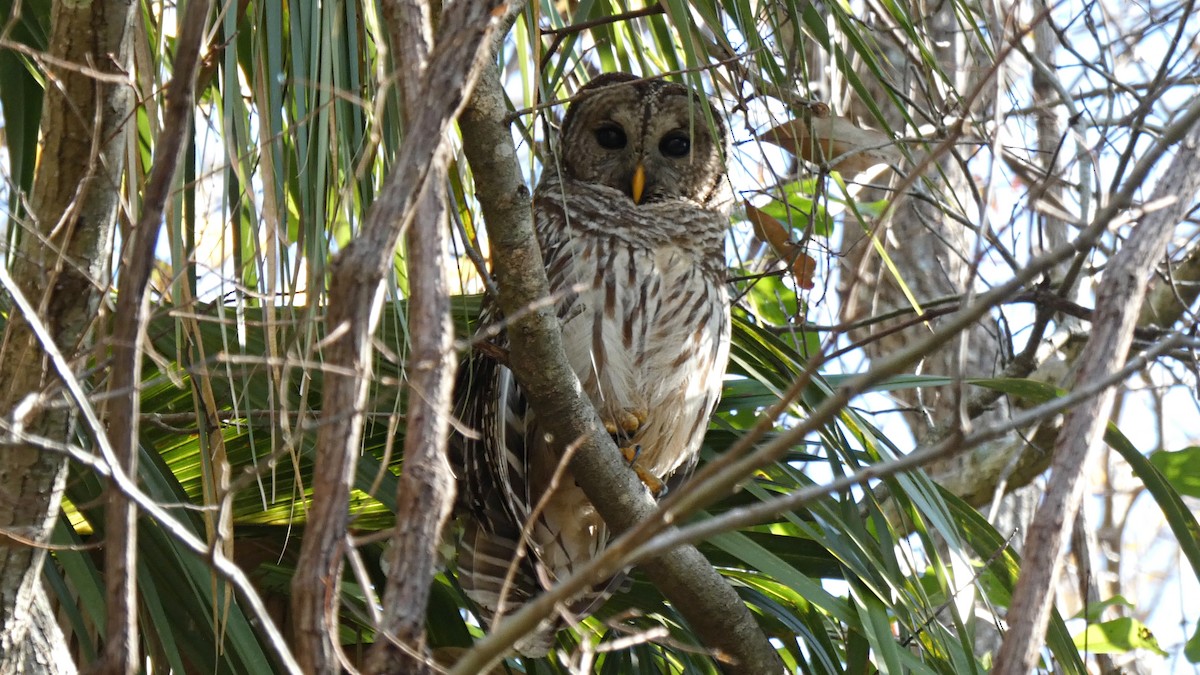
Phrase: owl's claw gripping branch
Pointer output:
(622, 428)
(627, 423)
(656, 486)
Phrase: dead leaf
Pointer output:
(770, 230)
(804, 267)
(820, 140)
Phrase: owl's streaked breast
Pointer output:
(645, 311)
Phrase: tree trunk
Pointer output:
(61, 267)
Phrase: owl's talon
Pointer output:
(627, 422)
(657, 487)
(633, 419)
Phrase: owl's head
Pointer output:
(650, 139)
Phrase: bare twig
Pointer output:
(1118, 303)
(668, 73)
(120, 532)
(561, 34)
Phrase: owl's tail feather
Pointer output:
(483, 561)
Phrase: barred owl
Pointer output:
(631, 215)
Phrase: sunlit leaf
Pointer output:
(1118, 637)
(793, 204)
(1181, 467)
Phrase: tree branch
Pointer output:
(537, 359)
(1117, 305)
(425, 491)
(356, 291)
(61, 263)
(120, 528)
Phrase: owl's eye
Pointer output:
(675, 144)
(611, 137)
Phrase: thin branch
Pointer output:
(121, 653)
(45, 59)
(1118, 302)
(510, 116)
(561, 34)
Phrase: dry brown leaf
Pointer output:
(821, 139)
(770, 230)
(804, 267)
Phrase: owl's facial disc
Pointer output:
(642, 162)
(651, 140)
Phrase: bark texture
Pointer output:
(61, 264)
(356, 290)
(425, 493)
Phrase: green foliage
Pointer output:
(797, 206)
(21, 95)
(1181, 468)
(304, 132)
(1117, 637)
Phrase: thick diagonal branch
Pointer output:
(425, 491)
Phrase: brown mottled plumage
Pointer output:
(638, 270)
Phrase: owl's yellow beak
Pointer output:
(639, 183)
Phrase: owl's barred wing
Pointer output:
(496, 497)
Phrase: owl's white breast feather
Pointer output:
(649, 331)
